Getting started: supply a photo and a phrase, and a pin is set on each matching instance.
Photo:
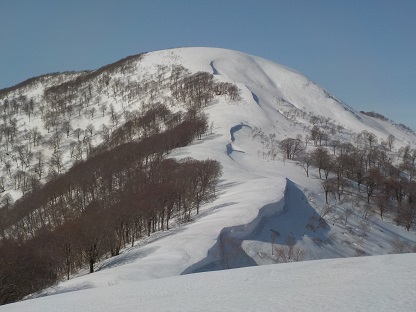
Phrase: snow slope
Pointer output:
(273, 85)
(381, 283)
(257, 195)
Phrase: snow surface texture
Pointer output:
(256, 196)
(380, 283)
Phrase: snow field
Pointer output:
(380, 283)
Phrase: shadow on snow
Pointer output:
(291, 217)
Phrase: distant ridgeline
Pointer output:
(381, 117)
(375, 115)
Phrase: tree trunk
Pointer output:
(92, 265)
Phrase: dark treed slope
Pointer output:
(113, 193)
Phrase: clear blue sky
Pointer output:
(362, 51)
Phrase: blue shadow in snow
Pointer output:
(235, 129)
(291, 217)
(255, 98)
(230, 149)
(214, 70)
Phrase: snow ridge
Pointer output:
(262, 200)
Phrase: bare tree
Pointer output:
(56, 161)
(78, 132)
(66, 127)
(335, 145)
(316, 135)
(305, 161)
(329, 185)
(382, 203)
(368, 137)
(39, 165)
(105, 133)
(318, 221)
(289, 252)
(56, 140)
(291, 147)
(91, 112)
(373, 179)
(390, 141)
(103, 109)
(406, 215)
(92, 235)
(321, 159)
(90, 129)
(273, 236)
(399, 246)
(347, 213)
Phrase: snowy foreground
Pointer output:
(379, 283)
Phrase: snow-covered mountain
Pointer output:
(265, 202)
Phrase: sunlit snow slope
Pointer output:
(257, 196)
(382, 283)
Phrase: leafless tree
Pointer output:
(373, 180)
(390, 141)
(305, 161)
(335, 145)
(329, 185)
(291, 147)
(56, 161)
(66, 127)
(318, 221)
(78, 132)
(289, 252)
(90, 129)
(399, 246)
(321, 159)
(39, 163)
(103, 109)
(406, 215)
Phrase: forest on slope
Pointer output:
(95, 200)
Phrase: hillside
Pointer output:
(264, 208)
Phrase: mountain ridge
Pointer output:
(246, 133)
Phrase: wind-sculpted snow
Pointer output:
(214, 70)
(230, 149)
(235, 128)
(255, 98)
(249, 244)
